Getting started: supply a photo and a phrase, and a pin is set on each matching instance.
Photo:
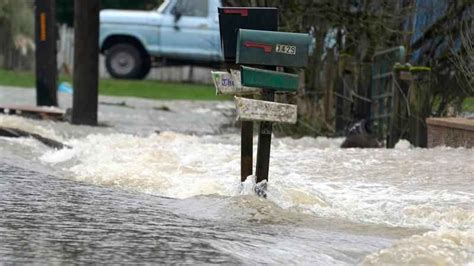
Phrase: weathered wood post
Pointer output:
(264, 142)
(246, 150)
(401, 81)
(420, 105)
(86, 61)
(46, 63)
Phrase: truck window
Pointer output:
(192, 8)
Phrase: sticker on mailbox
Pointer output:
(285, 49)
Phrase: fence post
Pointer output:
(420, 105)
(402, 79)
(46, 63)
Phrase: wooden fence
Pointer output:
(382, 89)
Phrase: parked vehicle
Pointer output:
(179, 32)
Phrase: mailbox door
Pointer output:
(231, 19)
(261, 78)
(272, 48)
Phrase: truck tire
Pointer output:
(126, 61)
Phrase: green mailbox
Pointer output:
(273, 48)
(261, 78)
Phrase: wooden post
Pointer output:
(264, 142)
(46, 63)
(329, 85)
(400, 84)
(420, 107)
(246, 153)
(86, 61)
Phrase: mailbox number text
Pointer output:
(285, 49)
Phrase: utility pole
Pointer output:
(46, 63)
(86, 61)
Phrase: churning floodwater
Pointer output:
(168, 197)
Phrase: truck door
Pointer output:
(190, 31)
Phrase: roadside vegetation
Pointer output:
(128, 88)
(469, 104)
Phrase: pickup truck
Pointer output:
(179, 32)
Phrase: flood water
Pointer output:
(120, 197)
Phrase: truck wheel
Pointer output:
(126, 61)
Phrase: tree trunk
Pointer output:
(86, 61)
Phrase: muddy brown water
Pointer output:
(124, 194)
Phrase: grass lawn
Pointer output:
(145, 88)
(132, 88)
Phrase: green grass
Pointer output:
(17, 79)
(144, 89)
(129, 88)
(469, 104)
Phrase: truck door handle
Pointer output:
(202, 26)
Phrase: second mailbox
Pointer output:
(272, 48)
(231, 19)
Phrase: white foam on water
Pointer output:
(410, 187)
(29, 125)
(403, 144)
(168, 164)
(400, 187)
(405, 186)
(443, 247)
(26, 142)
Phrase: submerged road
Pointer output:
(124, 194)
(141, 116)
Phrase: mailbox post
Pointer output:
(270, 81)
(230, 21)
(270, 49)
(264, 142)
(273, 49)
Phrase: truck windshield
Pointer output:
(163, 8)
